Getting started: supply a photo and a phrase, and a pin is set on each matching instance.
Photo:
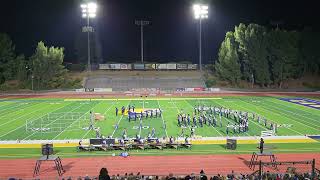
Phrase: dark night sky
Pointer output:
(171, 36)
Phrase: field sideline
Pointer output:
(296, 120)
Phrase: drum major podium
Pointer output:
(256, 155)
(55, 159)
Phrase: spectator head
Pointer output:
(103, 171)
(188, 177)
(104, 174)
(203, 177)
(87, 177)
(202, 172)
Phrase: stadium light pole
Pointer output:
(32, 77)
(89, 10)
(141, 23)
(200, 12)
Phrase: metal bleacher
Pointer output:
(135, 82)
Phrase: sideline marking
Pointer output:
(136, 99)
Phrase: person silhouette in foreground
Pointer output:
(104, 174)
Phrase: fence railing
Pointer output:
(298, 168)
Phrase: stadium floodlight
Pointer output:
(89, 10)
(200, 12)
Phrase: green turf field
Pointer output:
(295, 119)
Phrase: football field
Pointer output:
(70, 117)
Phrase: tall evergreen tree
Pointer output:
(284, 56)
(253, 41)
(7, 58)
(48, 70)
(228, 67)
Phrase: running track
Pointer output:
(147, 165)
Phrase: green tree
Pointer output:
(310, 54)
(21, 68)
(228, 67)
(241, 39)
(7, 57)
(284, 55)
(253, 42)
(47, 67)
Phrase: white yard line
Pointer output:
(211, 126)
(140, 128)
(52, 122)
(26, 120)
(75, 121)
(192, 110)
(16, 109)
(231, 121)
(287, 104)
(274, 113)
(263, 127)
(119, 120)
(14, 119)
(5, 103)
(316, 121)
(279, 113)
(103, 114)
(163, 120)
(11, 107)
(143, 104)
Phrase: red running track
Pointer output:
(147, 165)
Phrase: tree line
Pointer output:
(267, 57)
(43, 70)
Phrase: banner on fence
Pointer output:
(103, 66)
(161, 66)
(189, 89)
(182, 66)
(123, 66)
(198, 89)
(80, 90)
(192, 66)
(180, 89)
(114, 66)
(171, 66)
(102, 89)
(138, 66)
(150, 66)
(213, 89)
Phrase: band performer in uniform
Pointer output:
(261, 145)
